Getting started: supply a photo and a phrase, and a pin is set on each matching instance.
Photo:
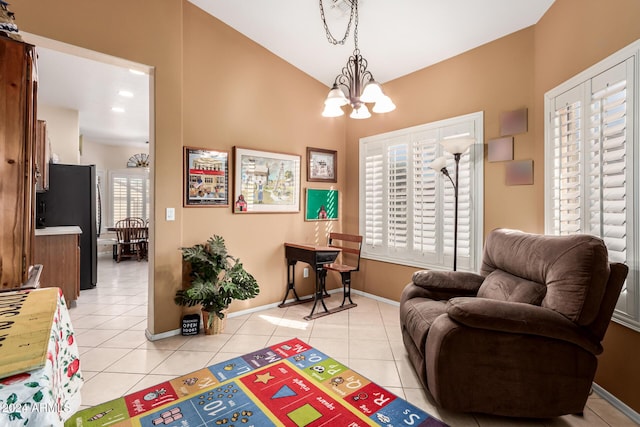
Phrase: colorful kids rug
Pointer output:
(288, 384)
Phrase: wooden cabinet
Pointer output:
(58, 250)
(17, 184)
(41, 156)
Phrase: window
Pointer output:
(129, 194)
(591, 166)
(407, 209)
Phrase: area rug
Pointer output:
(288, 384)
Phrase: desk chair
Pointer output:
(349, 244)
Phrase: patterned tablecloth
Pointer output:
(46, 396)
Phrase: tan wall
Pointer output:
(63, 132)
(590, 30)
(226, 98)
(493, 78)
(147, 32)
(239, 94)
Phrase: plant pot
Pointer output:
(217, 324)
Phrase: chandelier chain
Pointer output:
(353, 17)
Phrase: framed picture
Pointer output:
(322, 165)
(205, 177)
(265, 181)
(322, 205)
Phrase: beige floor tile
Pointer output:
(366, 338)
(370, 349)
(182, 362)
(245, 343)
(256, 327)
(126, 339)
(93, 322)
(139, 361)
(336, 348)
(407, 374)
(170, 343)
(209, 343)
(97, 359)
(381, 372)
(94, 337)
(104, 387)
(122, 322)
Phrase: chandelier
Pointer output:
(355, 85)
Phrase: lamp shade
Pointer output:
(336, 97)
(438, 163)
(372, 92)
(362, 112)
(457, 145)
(384, 105)
(332, 111)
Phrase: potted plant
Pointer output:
(217, 278)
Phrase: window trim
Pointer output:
(476, 193)
(629, 318)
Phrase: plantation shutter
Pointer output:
(119, 198)
(424, 211)
(592, 166)
(567, 140)
(607, 146)
(373, 196)
(397, 195)
(129, 196)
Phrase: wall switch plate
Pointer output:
(305, 272)
(171, 214)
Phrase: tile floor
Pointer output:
(117, 359)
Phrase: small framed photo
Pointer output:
(322, 165)
(205, 177)
(265, 181)
(322, 205)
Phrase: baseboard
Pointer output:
(375, 297)
(174, 332)
(617, 403)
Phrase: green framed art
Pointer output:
(321, 205)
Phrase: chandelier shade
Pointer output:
(355, 84)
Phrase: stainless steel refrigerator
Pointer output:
(71, 200)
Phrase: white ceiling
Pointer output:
(396, 37)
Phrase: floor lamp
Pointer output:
(457, 147)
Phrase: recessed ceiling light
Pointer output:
(136, 72)
(117, 109)
(126, 94)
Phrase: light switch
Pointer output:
(171, 214)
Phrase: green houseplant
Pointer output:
(217, 278)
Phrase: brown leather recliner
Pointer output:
(521, 338)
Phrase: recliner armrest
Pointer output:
(448, 284)
(519, 318)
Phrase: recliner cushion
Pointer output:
(416, 317)
(575, 268)
(500, 285)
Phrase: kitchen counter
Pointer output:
(55, 231)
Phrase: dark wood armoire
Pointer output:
(17, 169)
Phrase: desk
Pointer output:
(48, 395)
(316, 256)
